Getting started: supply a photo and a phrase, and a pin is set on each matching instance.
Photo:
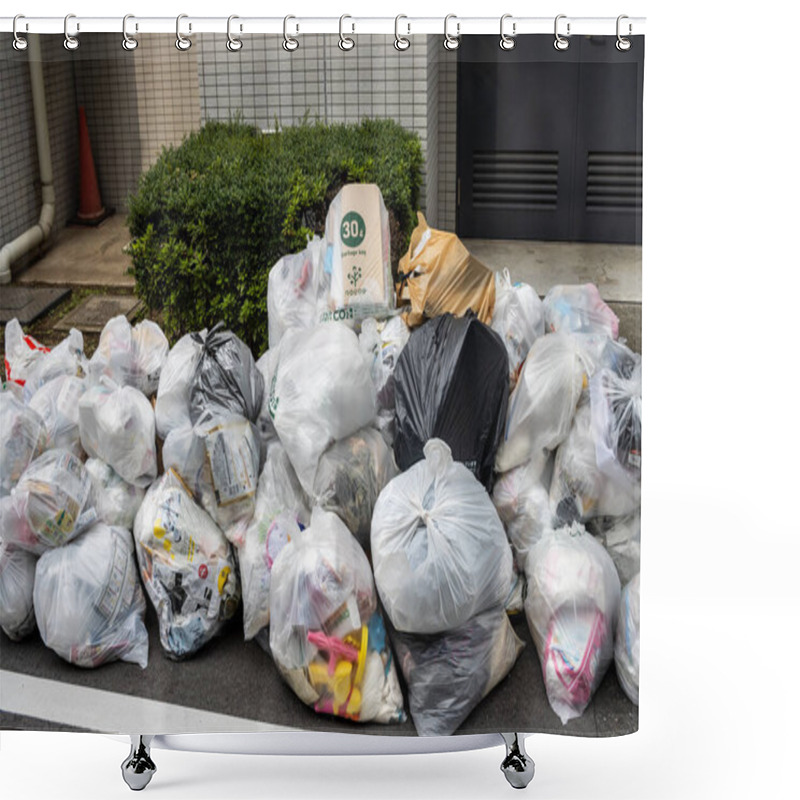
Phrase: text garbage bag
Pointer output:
(57, 402)
(327, 635)
(17, 570)
(88, 600)
(175, 383)
(579, 309)
(24, 438)
(626, 646)
(438, 547)
(114, 499)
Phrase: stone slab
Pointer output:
(93, 313)
(28, 303)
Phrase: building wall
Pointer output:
(448, 118)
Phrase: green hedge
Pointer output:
(211, 216)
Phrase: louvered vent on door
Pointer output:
(614, 182)
(515, 179)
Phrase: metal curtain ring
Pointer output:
(345, 42)
(181, 42)
(623, 44)
(233, 44)
(507, 42)
(290, 44)
(561, 43)
(19, 42)
(128, 42)
(451, 42)
(401, 42)
(70, 42)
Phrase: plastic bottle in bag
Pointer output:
(115, 500)
(438, 547)
(88, 600)
(17, 569)
(579, 309)
(327, 635)
(187, 567)
(626, 646)
(175, 383)
(66, 358)
(24, 437)
(57, 402)
(21, 352)
(571, 608)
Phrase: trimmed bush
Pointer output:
(212, 215)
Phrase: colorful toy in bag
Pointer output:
(21, 352)
(357, 271)
(321, 393)
(282, 511)
(438, 547)
(438, 275)
(218, 459)
(326, 633)
(17, 569)
(175, 383)
(57, 402)
(114, 499)
(187, 567)
(571, 607)
(541, 407)
(622, 539)
(448, 674)
(118, 426)
(24, 438)
(451, 383)
(518, 320)
(626, 646)
(579, 309)
(226, 380)
(293, 291)
(50, 505)
(88, 600)
(350, 476)
(66, 358)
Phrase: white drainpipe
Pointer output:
(34, 236)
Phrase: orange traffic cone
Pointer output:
(91, 210)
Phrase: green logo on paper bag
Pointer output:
(353, 229)
(354, 276)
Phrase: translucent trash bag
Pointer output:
(24, 438)
(622, 539)
(571, 608)
(266, 365)
(118, 426)
(282, 511)
(438, 547)
(175, 383)
(88, 601)
(17, 570)
(50, 505)
(541, 407)
(381, 344)
(321, 392)
(57, 402)
(579, 309)
(187, 567)
(351, 474)
(21, 352)
(626, 645)
(114, 499)
(66, 358)
(327, 635)
(448, 674)
(219, 460)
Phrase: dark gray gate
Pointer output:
(550, 142)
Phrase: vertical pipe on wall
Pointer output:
(39, 233)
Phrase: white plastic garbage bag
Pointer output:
(21, 352)
(187, 567)
(571, 607)
(175, 383)
(88, 600)
(626, 645)
(621, 537)
(218, 459)
(327, 635)
(293, 291)
(118, 426)
(17, 569)
(541, 407)
(518, 318)
(321, 392)
(381, 344)
(114, 499)
(282, 511)
(66, 358)
(24, 438)
(266, 429)
(130, 356)
(350, 476)
(579, 309)
(438, 547)
(448, 674)
(57, 403)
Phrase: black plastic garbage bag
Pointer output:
(451, 383)
(226, 379)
